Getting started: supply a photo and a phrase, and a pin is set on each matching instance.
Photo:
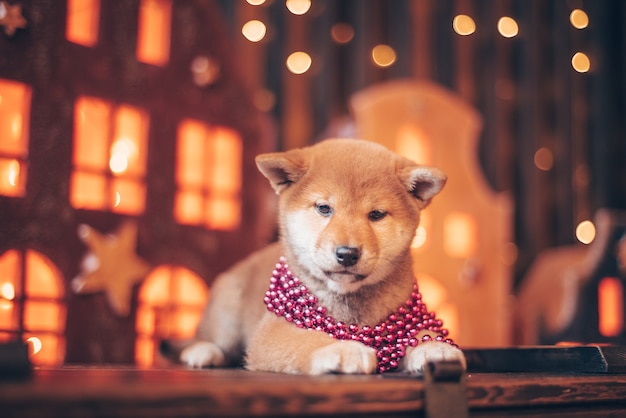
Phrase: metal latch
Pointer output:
(444, 390)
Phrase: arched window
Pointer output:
(31, 305)
(171, 301)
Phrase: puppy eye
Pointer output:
(324, 210)
(376, 215)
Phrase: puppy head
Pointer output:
(348, 209)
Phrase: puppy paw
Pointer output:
(344, 357)
(201, 354)
(417, 357)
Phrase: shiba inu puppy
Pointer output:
(337, 294)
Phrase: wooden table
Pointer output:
(177, 392)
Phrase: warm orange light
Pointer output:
(153, 37)
(586, 232)
(88, 191)
(579, 19)
(463, 25)
(82, 21)
(460, 235)
(36, 345)
(190, 155)
(43, 277)
(383, 55)
(129, 196)
(92, 130)
(129, 146)
(299, 62)
(254, 30)
(46, 349)
(223, 213)
(12, 178)
(109, 139)
(7, 291)
(171, 301)
(14, 129)
(43, 316)
(610, 307)
(225, 152)
(507, 27)
(342, 33)
(298, 7)
(581, 62)
(412, 142)
(208, 176)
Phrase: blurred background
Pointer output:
(128, 131)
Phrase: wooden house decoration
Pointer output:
(462, 249)
(127, 145)
(575, 294)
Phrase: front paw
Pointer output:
(203, 353)
(344, 357)
(417, 357)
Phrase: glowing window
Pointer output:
(610, 307)
(109, 157)
(31, 305)
(171, 301)
(460, 235)
(14, 122)
(82, 21)
(153, 37)
(208, 176)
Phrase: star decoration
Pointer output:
(11, 18)
(111, 266)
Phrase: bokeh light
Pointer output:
(254, 30)
(299, 62)
(298, 7)
(383, 55)
(463, 25)
(579, 19)
(586, 232)
(581, 62)
(507, 27)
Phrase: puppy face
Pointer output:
(348, 209)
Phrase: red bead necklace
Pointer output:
(289, 298)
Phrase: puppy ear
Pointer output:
(282, 169)
(423, 182)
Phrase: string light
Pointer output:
(581, 62)
(298, 7)
(463, 25)
(579, 19)
(383, 55)
(255, 2)
(254, 30)
(586, 232)
(507, 27)
(299, 62)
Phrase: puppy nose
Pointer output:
(347, 256)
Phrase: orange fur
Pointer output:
(339, 193)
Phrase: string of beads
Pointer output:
(287, 297)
